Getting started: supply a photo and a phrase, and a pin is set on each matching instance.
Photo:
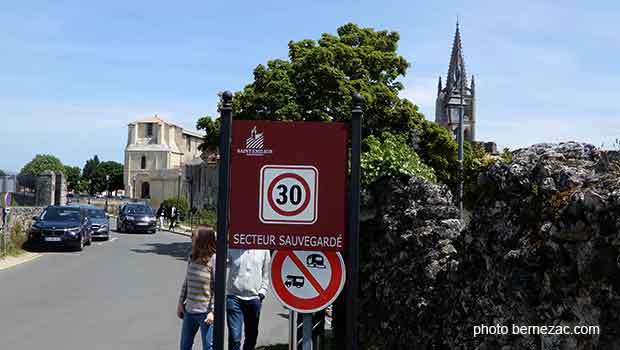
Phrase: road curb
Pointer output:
(186, 234)
(8, 262)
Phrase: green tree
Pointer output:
(108, 168)
(41, 163)
(2, 173)
(88, 172)
(317, 82)
(73, 176)
(212, 131)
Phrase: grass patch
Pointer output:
(15, 241)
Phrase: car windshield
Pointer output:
(61, 214)
(96, 213)
(137, 210)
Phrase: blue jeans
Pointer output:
(191, 323)
(242, 312)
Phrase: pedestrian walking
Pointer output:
(195, 305)
(173, 215)
(246, 287)
(161, 214)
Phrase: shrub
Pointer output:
(205, 217)
(391, 156)
(181, 205)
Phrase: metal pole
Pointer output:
(292, 330)
(352, 284)
(460, 155)
(307, 329)
(222, 220)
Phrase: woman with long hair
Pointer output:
(195, 305)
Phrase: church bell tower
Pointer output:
(448, 103)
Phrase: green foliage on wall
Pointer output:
(390, 155)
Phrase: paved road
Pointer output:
(119, 294)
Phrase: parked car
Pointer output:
(62, 225)
(136, 217)
(99, 223)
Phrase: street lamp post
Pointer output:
(461, 141)
(107, 180)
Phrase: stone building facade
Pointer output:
(155, 156)
(456, 91)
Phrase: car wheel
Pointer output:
(80, 246)
(90, 240)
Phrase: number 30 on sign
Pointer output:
(288, 194)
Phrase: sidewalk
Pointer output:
(10, 261)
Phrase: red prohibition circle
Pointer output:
(319, 302)
(275, 207)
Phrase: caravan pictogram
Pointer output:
(307, 281)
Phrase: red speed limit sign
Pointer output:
(288, 187)
(288, 194)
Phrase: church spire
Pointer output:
(439, 87)
(456, 71)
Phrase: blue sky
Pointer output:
(74, 73)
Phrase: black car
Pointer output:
(62, 225)
(136, 217)
(99, 223)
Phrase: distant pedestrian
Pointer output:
(161, 214)
(173, 215)
(195, 305)
(246, 287)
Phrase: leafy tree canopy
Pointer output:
(73, 176)
(109, 168)
(89, 167)
(40, 163)
(317, 82)
(2, 173)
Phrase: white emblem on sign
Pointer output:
(288, 194)
(254, 145)
(255, 141)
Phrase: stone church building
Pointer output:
(456, 91)
(155, 156)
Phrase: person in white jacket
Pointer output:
(246, 286)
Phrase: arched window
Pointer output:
(143, 162)
(146, 190)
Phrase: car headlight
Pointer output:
(130, 218)
(72, 231)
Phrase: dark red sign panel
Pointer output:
(288, 186)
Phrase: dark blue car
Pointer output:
(67, 226)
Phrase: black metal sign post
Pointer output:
(352, 307)
(222, 220)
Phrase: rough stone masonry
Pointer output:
(542, 248)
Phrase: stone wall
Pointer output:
(22, 216)
(202, 185)
(542, 248)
